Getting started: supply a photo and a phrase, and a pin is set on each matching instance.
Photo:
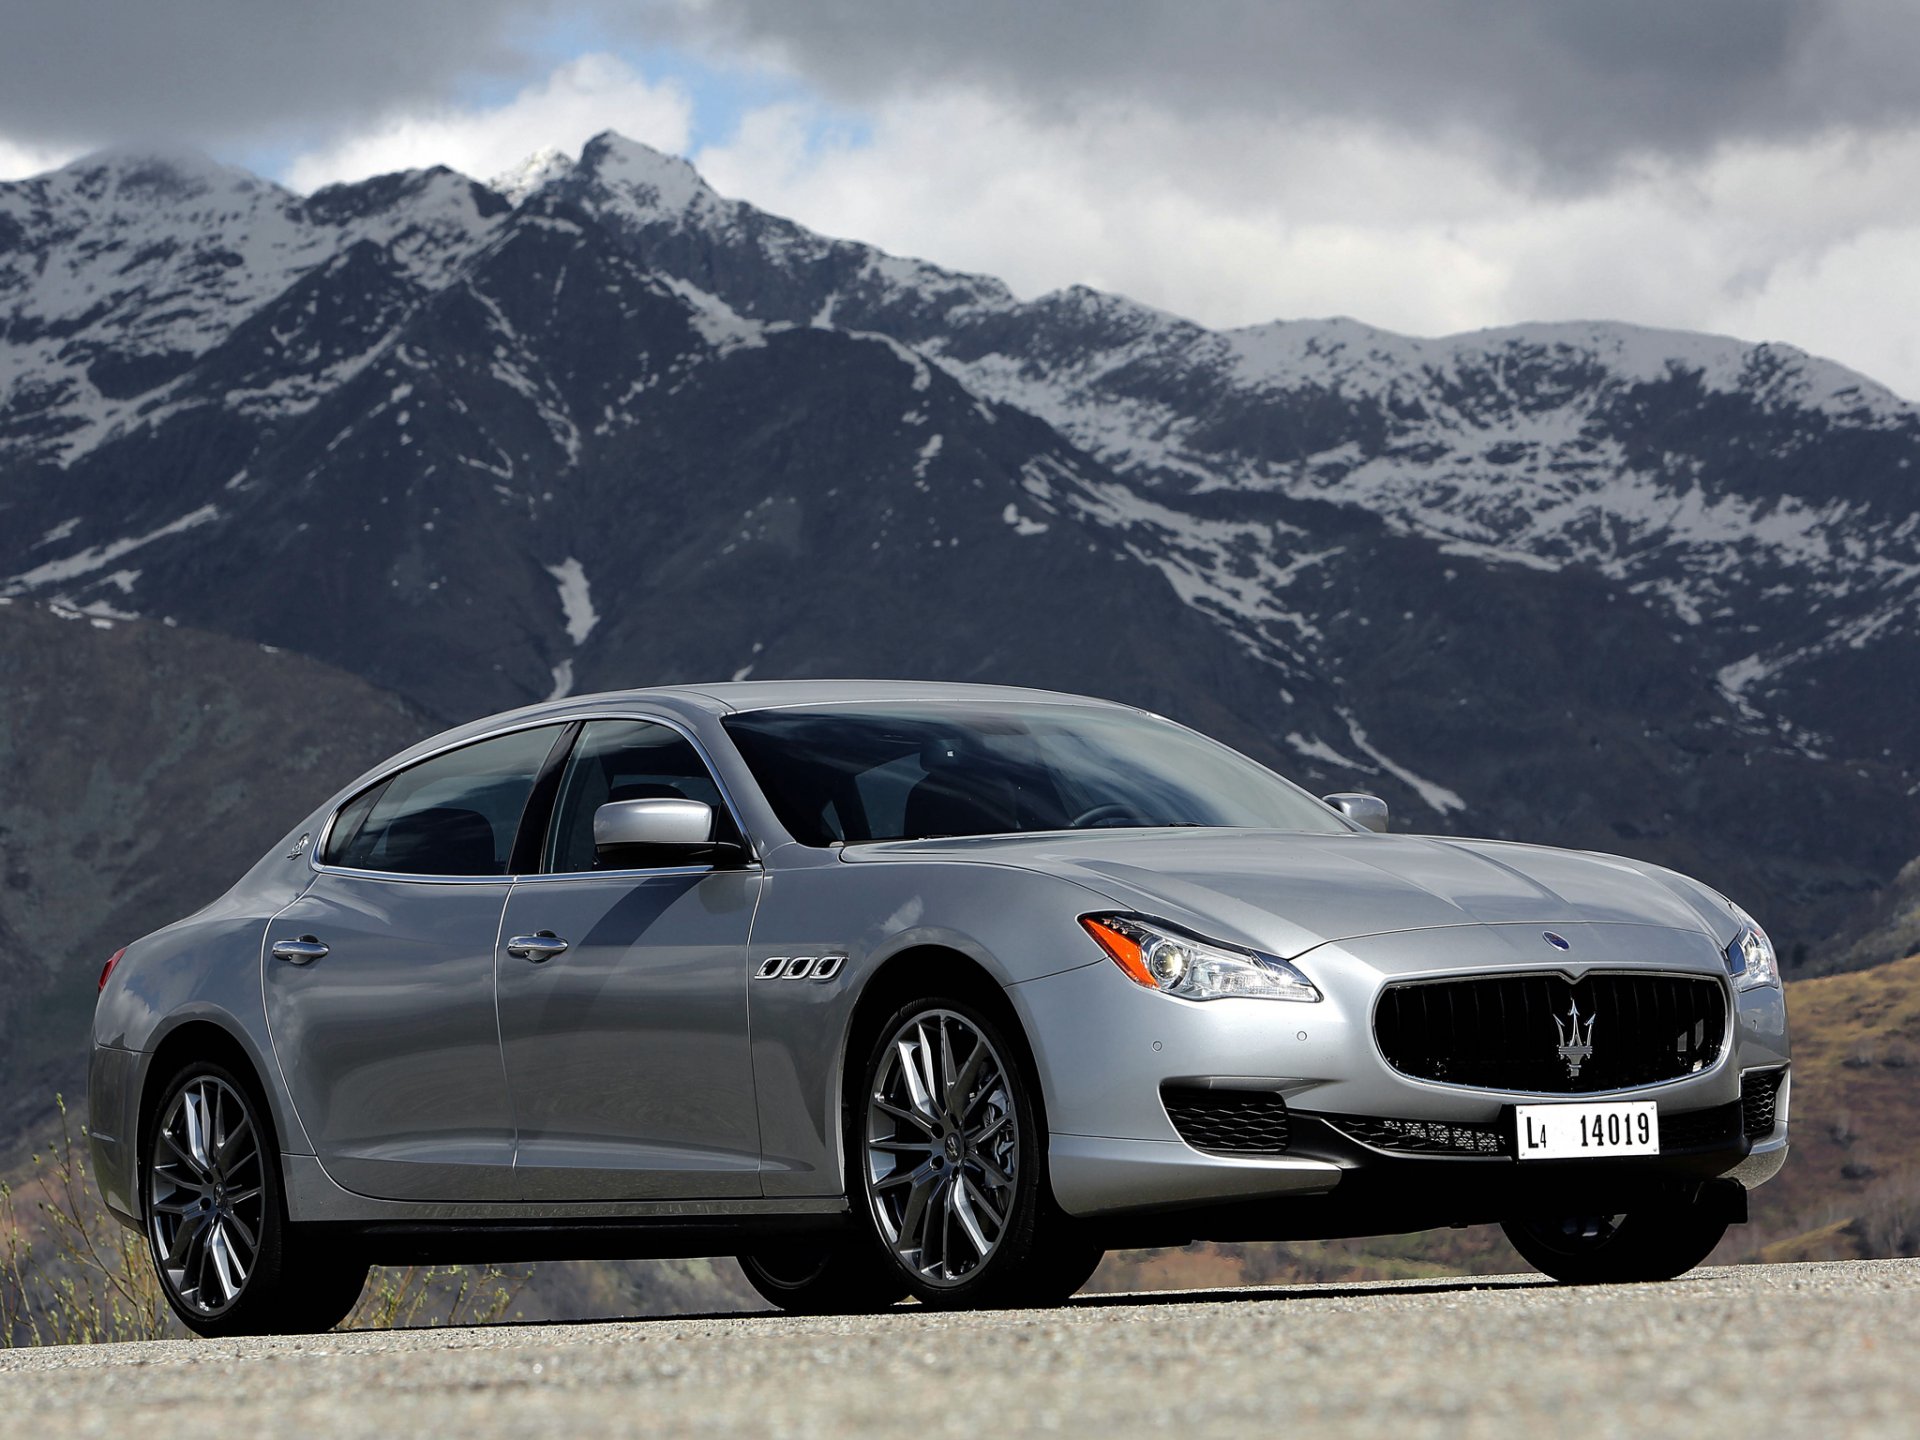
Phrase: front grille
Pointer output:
(1520, 1032)
(1228, 1122)
(1428, 1137)
(1759, 1094)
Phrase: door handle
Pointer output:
(538, 948)
(303, 951)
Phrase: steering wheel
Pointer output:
(1100, 814)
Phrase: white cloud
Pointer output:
(1856, 301)
(1239, 220)
(19, 161)
(578, 100)
(1234, 230)
(1809, 243)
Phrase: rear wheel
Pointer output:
(1656, 1244)
(948, 1165)
(228, 1261)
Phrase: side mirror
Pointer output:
(663, 831)
(1367, 810)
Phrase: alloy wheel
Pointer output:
(206, 1196)
(942, 1147)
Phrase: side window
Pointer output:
(624, 760)
(455, 814)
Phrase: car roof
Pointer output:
(735, 696)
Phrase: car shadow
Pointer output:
(1247, 1295)
(1254, 1294)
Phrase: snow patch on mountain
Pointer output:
(576, 600)
(1314, 748)
(1503, 445)
(636, 183)
(928, 453)
(1238, 572)
(1438, 797)
(532, 173)
(98, 557)
(1022, 525)
(717, 322)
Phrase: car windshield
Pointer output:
(917, 771)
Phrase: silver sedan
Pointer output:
(898, 990)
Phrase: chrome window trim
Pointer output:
(1728, 1035)
(1070, 703)
(753, 861)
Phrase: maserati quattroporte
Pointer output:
(929, 991)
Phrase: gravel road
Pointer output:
(1769, 1350)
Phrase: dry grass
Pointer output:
(1851, 1189)
(416, 1295)
(69, 1272)
(72, 1274)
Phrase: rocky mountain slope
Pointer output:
(1887, 930)
(1585, 584)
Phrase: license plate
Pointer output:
(1578, 1132)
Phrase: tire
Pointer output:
(946, 1162)
(1643, 1245)
(228, 1261)
(826, 1279)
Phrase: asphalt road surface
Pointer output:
(1786, 1350)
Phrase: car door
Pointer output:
(626, 1051)
(380, 979)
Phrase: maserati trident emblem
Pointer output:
(1576, 1045)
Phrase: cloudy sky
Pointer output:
(1744, 166)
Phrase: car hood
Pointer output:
(1286, 893)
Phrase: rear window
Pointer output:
(455, 814)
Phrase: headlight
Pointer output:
(1164, 959)
(1750, 958)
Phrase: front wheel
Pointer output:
(950, 1165)
(1656, 1244)
(228, 1261)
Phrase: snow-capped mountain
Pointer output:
(1760, 494)
(119, 272)
(594, 425)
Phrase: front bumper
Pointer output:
(1110, 1052)
(1337, 1175)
